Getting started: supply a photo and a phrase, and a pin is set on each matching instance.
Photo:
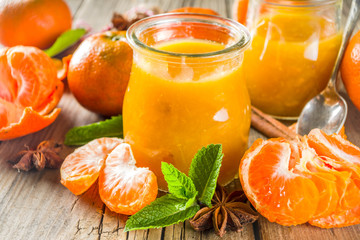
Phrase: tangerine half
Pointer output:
(314, 180)
(29, 91)
(343, 160)
(273, 187)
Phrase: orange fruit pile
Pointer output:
(315, 180)
(123, 187)
(29, 91)
(33, 22)
(194, 10)
(99, 72)
(350, 69)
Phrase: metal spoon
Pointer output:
(328, 109)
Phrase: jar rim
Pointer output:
(241, 44)
(301, 3)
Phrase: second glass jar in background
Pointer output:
(294, 47)
(186, 91)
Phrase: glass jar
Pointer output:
(186, 91)
(293, 51)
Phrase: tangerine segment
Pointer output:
(343, 214)
(311, 166)
(30, 122)
(275, 190)
(7, 87)
(123, 187)
(81, 168)
(341, 154)
(342, 160)
(340, 218)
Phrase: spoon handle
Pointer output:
(349, 28)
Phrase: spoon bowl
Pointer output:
(325, 112)
(328, 110)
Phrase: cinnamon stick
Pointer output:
(269, 126)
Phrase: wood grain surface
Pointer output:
(34, 205)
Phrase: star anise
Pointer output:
(124, 21)
(45, 155)
(228, 212)
(119, 22)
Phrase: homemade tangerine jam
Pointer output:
(186, 92)
(290, 60)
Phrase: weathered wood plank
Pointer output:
(36, 206)
(96, 13)
(74, 6)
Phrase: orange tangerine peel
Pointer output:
(29, 91)
(62, 66)
(30, 122)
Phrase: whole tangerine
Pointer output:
(33, 22)
(99, 72)
(350, 69)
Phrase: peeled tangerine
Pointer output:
(29, 91)
(123, 187)
(316, 180)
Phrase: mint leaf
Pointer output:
(204, 171)
(164, 211)
(64, 41)
(81, 135)
(179, 184)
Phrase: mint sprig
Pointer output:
(204, 171)
(164, 211)
(186, 193)
(81, 135)
(180, 185)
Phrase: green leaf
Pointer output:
(180, 185)
(204, 171)
(81, 135)
(64, 41)
(164, 211)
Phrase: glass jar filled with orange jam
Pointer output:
(293, 51)
(186, 91)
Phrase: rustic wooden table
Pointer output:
(34, 205)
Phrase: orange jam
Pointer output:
(174, 107)
(290, 61)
